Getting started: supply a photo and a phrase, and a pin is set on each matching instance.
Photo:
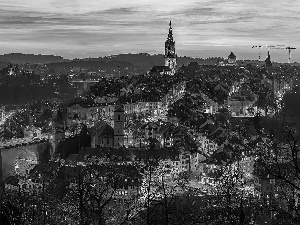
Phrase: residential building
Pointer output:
(239, 106)
(247, 164)
(2, 113)
(32, 131)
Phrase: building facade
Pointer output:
(2, 113)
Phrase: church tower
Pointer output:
(268, 60)
(170, 55)
(119, 121)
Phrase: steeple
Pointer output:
(268, 60)
(170, 35)
(118, 94)
(119, 107)
(119, 120)
(170, 55)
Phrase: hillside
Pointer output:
(147, 60)
(21, 58)
(139, 63)
(95, 64)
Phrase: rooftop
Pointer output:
(232, 56)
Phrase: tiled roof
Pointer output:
(49, 168)
(103, 128)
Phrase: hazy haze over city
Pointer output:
(206, 28)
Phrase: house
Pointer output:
(151, 129)
(247, 164)
(221, 88)
(211, 106)
(31, 131)
(239, 105)
(274, 192)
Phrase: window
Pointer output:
(107, 141)
(119, 117)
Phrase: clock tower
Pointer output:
(170, 55)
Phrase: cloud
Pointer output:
(94, 27)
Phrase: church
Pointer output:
(103, 135)
(169, 56)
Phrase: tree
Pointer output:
(278, 157)
(159, 188)
(10, 214)
(93, 190)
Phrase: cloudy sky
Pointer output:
(202, 28)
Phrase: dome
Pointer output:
(232, 56)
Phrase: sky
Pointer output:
(201, 28)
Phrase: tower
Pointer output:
(119, 121)
(268, 60)
(170, 55)
(268, 64)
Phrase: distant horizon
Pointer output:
(201, 29)
(137, 53)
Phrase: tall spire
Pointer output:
(119, 87)
(170, 35)
(268, 60)
(119, 106)
(170, 55)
